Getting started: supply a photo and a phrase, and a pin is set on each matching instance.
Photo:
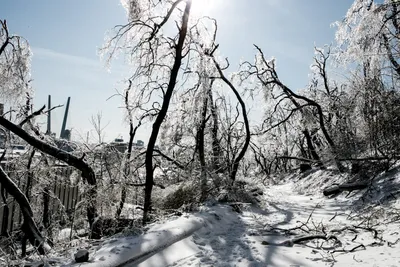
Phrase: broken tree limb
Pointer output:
(336, 189)
(87, 173)
(369, 158)
(29, 226)
(374, 231)
(346, 228)
(299, 240)
(297, 158)
(350, 250)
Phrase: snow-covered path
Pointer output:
(218, 235)
(236, 239)
(229, 239)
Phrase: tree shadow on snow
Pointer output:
(239, 236)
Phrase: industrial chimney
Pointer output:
(64, 124)
(49, 116)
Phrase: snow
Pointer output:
(234, 239)
(118, 251)
(259, 236)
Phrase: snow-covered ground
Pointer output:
(239, 239)
(349, 234)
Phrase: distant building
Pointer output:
(122, 146)
(119, 145)
(139, 143)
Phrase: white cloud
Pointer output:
(97, 64)
(51, 54)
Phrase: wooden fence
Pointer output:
(63, 197)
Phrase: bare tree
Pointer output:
(163, 112)
(370, 32)
(96, 121)
(132, 133)
(266, 73)
(154, 53)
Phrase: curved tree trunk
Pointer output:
(163, 112)
(29, 226)
(293, 96)
(237, 160)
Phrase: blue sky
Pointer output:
(65, 35)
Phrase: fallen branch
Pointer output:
(337, 189)
(297, 158)
(369, 158)
(391, 244)
(140, 184)
(368, 229)
(300, 227)
(349, 250)
(299, 240)
(346, 228)
(143, 184)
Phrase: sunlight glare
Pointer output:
(202, 7)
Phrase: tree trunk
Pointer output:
(132, 133)
(200, 145)
(336, 189)
(311, 146)
(46, 200)
(29, 226)
(29, 176)
(216, 148)
(163, 112)
(6, 213)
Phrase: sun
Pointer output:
(202, 7)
